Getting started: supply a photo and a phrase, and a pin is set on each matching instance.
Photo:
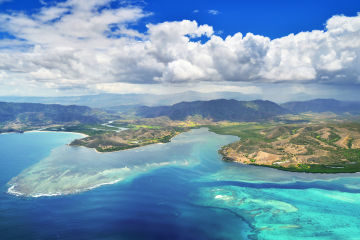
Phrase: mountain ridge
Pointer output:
(39, 114)
(320, 105)
(106, 100)
(218, 110)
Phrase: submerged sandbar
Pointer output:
(69, 169)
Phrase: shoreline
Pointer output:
(127, 148)
(12, 188)
(228, 159)
(84, 136)
(224, 157)
(94, 149)
(40, 131)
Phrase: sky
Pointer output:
(281, 50)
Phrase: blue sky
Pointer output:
(274, 18)
(253, 47)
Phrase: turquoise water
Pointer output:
(179, 190)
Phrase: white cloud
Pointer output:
(204, 87)
(85, 44)
(213, 12)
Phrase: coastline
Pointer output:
(84, 136)
(116, 150)
(280, 168)
(135, 147)
(123, 149)
(14, 189)
(40, 131)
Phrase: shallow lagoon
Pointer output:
(179, 190)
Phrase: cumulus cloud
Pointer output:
(87, 43)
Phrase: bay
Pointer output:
(178, 190)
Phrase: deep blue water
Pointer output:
(206, 199)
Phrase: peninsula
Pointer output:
(137, 133)
(317, 148)
(127, 139)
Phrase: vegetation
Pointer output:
(329, 147)
(269, 135)
(249, 131)
(217, 110)
(126, 139)
(28, 116)
(138, 132)
(323, 105)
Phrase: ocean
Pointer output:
(177, 190)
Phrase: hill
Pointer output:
(19, 115)
(323, 105)
(217, 110)
(331, 147)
